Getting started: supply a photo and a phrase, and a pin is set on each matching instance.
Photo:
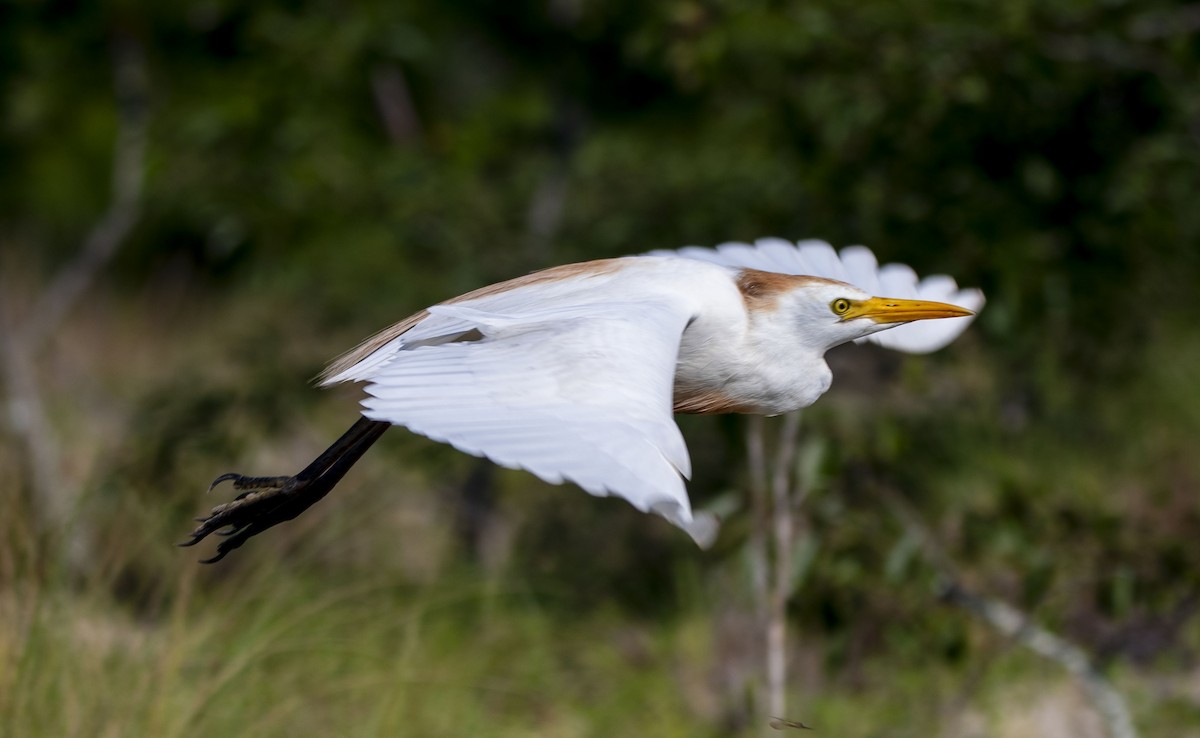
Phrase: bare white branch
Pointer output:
(775, 495)
(782, 506)
(1012, 623)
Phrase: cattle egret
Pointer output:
(573, 372)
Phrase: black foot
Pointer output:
(263, 503)
(268, 501)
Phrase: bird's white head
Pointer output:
(829, 313)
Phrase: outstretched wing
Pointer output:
(855, 265)
(568, 392)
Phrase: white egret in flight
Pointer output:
(573, 372)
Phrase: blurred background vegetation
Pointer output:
(202, 202)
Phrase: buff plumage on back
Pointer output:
(854, 265)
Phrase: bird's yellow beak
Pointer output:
(894, 310)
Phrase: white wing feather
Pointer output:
(854, 265)
(580, 393)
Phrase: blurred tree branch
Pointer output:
(53, 501)
(1183, 20)
(128, 174)
(1012, 623)
(395, 104)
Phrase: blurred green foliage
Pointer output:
(317, 170)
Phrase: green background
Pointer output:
(316, 170)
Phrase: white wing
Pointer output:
(580, 393)
(855, 265)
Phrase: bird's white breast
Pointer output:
(721, 371)
(738, 355)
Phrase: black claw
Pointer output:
(223, 478)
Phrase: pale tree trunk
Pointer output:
(776, 493)
(54, 500)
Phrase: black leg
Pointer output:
(268, 501)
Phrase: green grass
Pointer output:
(266, 655)
(262, 651)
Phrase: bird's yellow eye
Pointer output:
(840, 306)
